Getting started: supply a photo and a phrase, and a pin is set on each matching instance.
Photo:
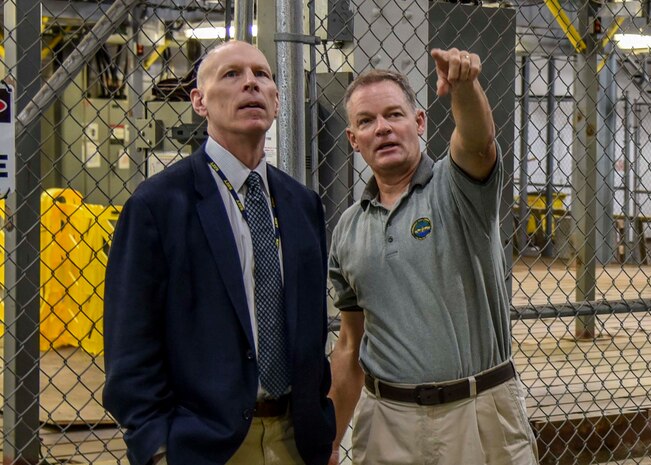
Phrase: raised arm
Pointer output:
(347, 375)
(472, 145)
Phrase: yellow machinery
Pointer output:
(537, 207)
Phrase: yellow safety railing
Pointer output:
(3, 257)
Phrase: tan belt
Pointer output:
(433, 394)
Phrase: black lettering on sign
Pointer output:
(3, 166)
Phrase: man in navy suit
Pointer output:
(188, 370)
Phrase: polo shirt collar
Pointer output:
(235, 171)
(421, 177)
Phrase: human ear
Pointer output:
(352, 139)
(196, 97)
(420, 121)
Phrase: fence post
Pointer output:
(291, 86)
(626, 204)
(22, 22)
(524, 155)
(638, 233)
(244, 20)
(606, 240)
(584, 169)
(548, 249)
(313, 117)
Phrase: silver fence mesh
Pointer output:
(101, 98)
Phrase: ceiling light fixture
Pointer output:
(210, 32)
(633, 41)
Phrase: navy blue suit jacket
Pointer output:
(181, 369)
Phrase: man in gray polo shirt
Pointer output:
(418, 273)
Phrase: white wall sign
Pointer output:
(158, 161)
(271, 146)
(91, 155)
(7, 140)
(92, 131)
(124, 161)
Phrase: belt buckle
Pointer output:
(429, 395)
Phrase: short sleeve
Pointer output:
(345, 298)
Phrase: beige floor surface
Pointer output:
(565, 376)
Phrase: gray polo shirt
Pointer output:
(428, 274)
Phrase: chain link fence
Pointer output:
(102, 102)
(571, 106)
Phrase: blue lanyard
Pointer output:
(240, 205)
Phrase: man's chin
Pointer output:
(255, 126)
(391, 160)
(394, 164)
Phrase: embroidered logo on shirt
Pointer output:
(421, 228)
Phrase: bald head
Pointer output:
(238, 97)
(213, 55)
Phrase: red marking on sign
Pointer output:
(3, 106)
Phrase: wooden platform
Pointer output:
(539, 281)
(589, 400)
(568, 376)
(75, 428)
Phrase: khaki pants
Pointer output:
(270, 441)
(490, 429)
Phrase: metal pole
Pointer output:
(228, 19)
(584, 168)
(636, 157)
(637, 228)
(244, 20)
(135, 88)
(524, 153)
(626, 207)
(135, 95)
(555, 311)
(606, 233)
(22, 23)
(291, 87)
(548, 249)
(314, 107)
(266, 21)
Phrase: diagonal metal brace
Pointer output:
(83, 54)
(566, 25)
(610, 33)
(297, 38)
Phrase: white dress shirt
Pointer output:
(237, 173)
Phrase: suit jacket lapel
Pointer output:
(290, 234)
(221, 241)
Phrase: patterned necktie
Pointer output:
(272, 350)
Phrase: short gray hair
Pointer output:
(380, 75)
(201, 70)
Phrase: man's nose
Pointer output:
(250, 81)
(382, 126)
